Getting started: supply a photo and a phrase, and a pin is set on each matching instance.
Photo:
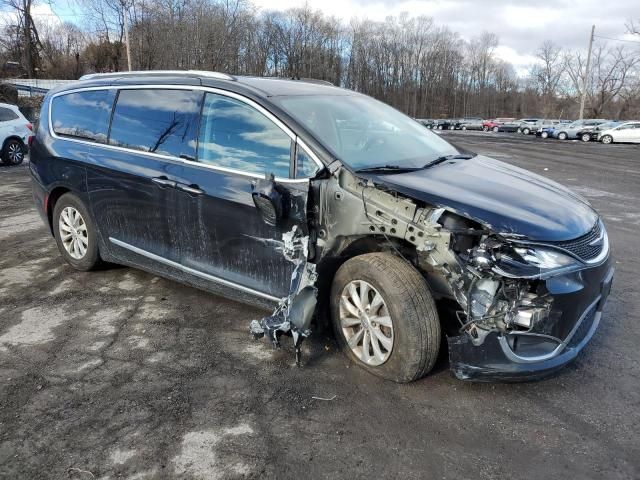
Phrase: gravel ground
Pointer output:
(120, 374)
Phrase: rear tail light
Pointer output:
(30, 127)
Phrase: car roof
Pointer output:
(262, 86)
(10, 106)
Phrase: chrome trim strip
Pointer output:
(226, 93)
(191, 271)
(602, 256)
(511, 355)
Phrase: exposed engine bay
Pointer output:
(496, 281)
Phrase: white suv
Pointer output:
(15, 131)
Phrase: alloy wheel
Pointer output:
(73, 232)
(366, 323)
(15, 154)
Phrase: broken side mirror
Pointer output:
(268, 200)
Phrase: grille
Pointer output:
(580, 246)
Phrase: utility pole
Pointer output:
(586, 73)
(125, 11)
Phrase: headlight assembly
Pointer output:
(534, 262)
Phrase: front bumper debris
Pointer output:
(522, 356)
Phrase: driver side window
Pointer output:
(235, 135)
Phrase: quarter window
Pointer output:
(7, 114)
(305, 166)
(157, 121)
(83, 115)
(236, 135)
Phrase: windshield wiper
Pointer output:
(387, 168)
(444, 158)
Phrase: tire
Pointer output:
(585, 137)
(544, 134)
(90, 258)
(607, 139)
(519, 130)
(407, 305)
(439, 127)
(562, 136)
(495, 129)
(13, 152)
(463, 128)
(485, 129)
(526, 131)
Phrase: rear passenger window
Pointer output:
(236, 135)
(157, 121)
(7, 114)
(83, 115)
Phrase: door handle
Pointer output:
(190, 189)
(163, 182)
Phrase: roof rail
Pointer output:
(195, 73)
(313, 80)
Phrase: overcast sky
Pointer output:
(520, 24)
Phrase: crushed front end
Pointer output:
(529, 307)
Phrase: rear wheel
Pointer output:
(607, 139)
(526, 131)
(495, 129)
(13, 152)
(544, 135)
(384, 317)
(485, 129)
(75, 233)
(463, 128)
(562, 136)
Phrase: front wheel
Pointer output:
(544, 135)
(585, 137)
(75, 233)
(495, 129)
(562, 136)
(485, 129)
(607, 139)
(13, 152)
(384, 317)
(526, 131)
(463, 128)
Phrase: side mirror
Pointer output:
(268, 200)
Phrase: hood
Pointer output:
(507, 199)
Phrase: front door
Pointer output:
(224, 235)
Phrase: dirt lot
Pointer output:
(121, 374)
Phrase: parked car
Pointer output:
(315, 200)
(469, 123)
(627, 132)
(548, 127)
(591, 133)
(15, 131)
(528, 125)
(500, 125)
(445, 124)
(570, 132)
(427, 122)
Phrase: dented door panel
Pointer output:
(225, 235)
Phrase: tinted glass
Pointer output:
(236, 135)
(83, 115)
(364, 132)
(305, 166)
(157, 121)
(7, 114)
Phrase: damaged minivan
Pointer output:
(324, 205)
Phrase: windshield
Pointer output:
(364, 133)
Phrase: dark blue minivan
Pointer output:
(321, 203)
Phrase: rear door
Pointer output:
(131, 183)
(239, 145)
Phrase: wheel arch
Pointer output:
(50, 203)
(12, 137)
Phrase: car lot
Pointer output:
(121, 374)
